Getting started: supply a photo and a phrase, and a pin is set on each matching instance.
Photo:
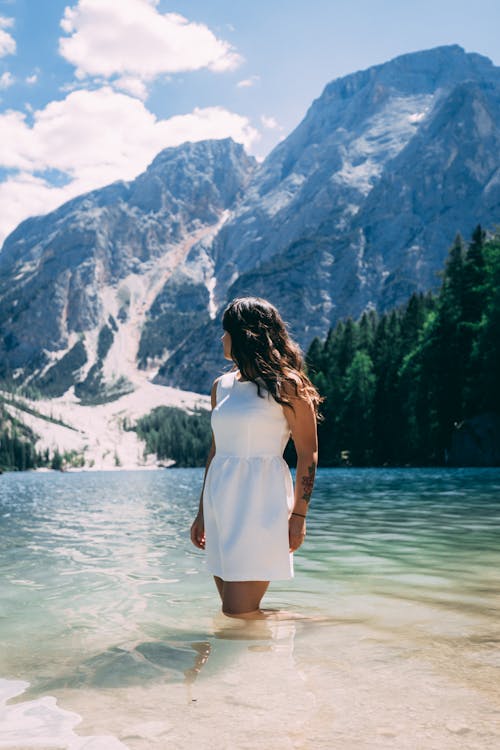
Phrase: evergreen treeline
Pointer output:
(397, 384)
(172, 433)
(17, 442)
(17, 451)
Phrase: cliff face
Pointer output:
(355, 209)
(358, 206)
(108, 255)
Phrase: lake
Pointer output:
(111, 634)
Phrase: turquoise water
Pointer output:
(111, 634)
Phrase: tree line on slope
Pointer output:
(171, 433)
(17, 447)
(397, 385)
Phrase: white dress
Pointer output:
(248, 495)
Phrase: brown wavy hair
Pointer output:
(263, 350)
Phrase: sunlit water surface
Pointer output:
(111, 634)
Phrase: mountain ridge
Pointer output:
(355, 209)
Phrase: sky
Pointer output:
(92, 90)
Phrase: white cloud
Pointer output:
(6, 80)
(94, 138)
(32, 79)
(247, 82)
(131, 85)
(7, 42)
(135, 42)
(24, 189)
(270, 122)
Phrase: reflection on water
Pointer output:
(387, 634)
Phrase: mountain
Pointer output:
(324, 171)
(79, 287)
(355, 209)
(358, 206)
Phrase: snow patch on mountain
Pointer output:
(96, 432)
(383, 137)
(141, 290)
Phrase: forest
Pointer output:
(17, 446)
(398, 385)
(172, 433)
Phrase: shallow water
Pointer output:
(111, 634)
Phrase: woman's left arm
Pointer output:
(302, 422)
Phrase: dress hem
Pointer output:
(253, 578)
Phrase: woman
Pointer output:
(250, 518)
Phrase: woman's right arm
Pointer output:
(198, 526)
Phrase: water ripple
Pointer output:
(101, 557)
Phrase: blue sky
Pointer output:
(91, 90)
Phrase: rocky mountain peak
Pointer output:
(415, 72)
(195, 153)
(356, 208)
(207, 175)
(106, 256)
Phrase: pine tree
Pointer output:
(347, 346)
(487, 346)
(365, 334)
(57, 461)
(358, 388)
(472, 312)
(314, 357)
(447, 357)
(474, 277)
(386, 421)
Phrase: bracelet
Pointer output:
(298, 514)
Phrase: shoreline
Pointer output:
(160, 467)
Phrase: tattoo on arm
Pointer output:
(308, 482)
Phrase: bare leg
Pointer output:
(242, 598)
(220, 586)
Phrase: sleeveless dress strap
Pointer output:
(225, 381)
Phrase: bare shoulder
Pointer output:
(300, 411)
